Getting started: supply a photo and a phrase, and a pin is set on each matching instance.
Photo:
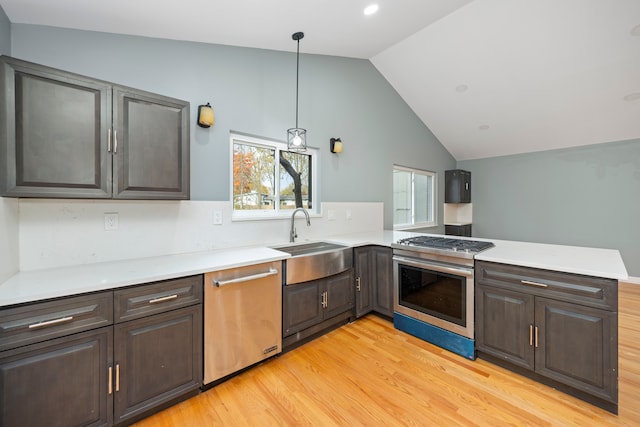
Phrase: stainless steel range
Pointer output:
(434, 290)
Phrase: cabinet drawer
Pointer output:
(157, 297)
(590, 291)
(37, 322)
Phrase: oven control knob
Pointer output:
(467, 250)
(455, 249)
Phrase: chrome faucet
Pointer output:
(292, 233)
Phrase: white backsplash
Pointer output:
(56, 233)
(8, 237)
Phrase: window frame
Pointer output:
(278, 146)
(434, 210)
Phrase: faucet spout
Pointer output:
(292, 232)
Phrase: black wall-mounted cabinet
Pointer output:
(457, 186)
(63, 135)
(458, 230)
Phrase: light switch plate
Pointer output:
(217, 217)
(111, 221)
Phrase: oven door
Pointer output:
(437, 294)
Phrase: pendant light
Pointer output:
(297, 137)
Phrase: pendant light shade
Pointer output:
(297, 137)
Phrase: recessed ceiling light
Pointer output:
(483, 127)
(632, 97)
(370, 10)
(462, 88)
(635, 31)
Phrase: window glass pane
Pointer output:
(401, 197)
(413, 198)
(295, 180)
(253, 177)
(422, 198)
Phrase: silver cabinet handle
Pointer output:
(358, 284)
(323, 300)
(109, 141)
(531, 335)
(115, 141)
(50, 322)
(271, 272)
(530, 283)
(163, 299)
(536, 337)
(326, 299)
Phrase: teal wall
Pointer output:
(5, 33)
(585, 196)
(253, 91)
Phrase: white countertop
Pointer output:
(570, 259)
(28, 286)
(37, 285)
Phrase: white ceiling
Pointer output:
(488, 77)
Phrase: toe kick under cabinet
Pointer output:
(101, 359)
(558, 328)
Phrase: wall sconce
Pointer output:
(335, 145)
(205, 115)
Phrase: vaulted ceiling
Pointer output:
(488, 77)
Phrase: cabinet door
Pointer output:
(364, 284)
(457, 186)
(54, 130)
(339, 297)
(151, 147)
(577, 346)
(504, 325)
(301, 307)
(383, 262)
(158, 358)
(62, 382)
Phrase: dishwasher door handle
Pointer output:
(271, 272)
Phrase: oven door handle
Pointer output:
(435, 267)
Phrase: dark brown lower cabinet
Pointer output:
(72, 362)
(60, 382)
(561, 328)
(374, 280)
(311, 307)
(158, 358)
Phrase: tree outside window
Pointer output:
(255, 187)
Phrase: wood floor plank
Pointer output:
(369, 374)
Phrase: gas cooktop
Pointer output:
(450, 245)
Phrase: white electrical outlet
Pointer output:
(348, 214)
(111, 221)
(217, 217)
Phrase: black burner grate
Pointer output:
(446, 243)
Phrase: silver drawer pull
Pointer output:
(50, 322)
(271, 272)
(163, 299)
(527, 282)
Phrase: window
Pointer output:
(268, 180)
(413, 198)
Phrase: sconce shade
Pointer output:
(205, 115)
(335, 145)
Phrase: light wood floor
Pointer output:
(369, 374)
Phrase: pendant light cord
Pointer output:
(297, 78)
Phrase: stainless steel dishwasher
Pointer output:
(242, 318)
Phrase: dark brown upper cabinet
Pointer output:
(65, 135)
(457, 186)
